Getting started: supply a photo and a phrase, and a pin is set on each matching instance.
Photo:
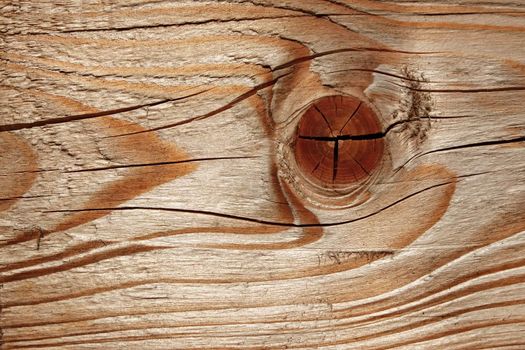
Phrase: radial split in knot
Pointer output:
(339, 141)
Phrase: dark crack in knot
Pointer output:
(339, 141)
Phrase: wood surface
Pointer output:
(151, 196)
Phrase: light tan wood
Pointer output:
(150, 197)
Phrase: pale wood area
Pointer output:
(150, 199)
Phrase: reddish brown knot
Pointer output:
(339, 141)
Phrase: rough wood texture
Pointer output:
(150, 197)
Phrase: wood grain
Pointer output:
(151, 196)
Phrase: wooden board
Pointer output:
(152, 196)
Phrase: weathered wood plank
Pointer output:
(150, 195)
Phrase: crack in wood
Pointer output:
(123, 166)
(519, 139)
(254, 220)
(228, 106)
(458, 284)
(369, 153)
(78, 117)
(168, 25)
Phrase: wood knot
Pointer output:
(339, 141)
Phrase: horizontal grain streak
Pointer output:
(181, 24)
(465, 91)
(160, 163)
(115, 253)
(470, 13)
(66, 253)
(504, 345)
(404, 78)
(398, 306)
(480, 144)
(22, 197)
(519, 139)
(426, 320)
(458, 330)
(134, 338)
(339, 315)
(77, 117)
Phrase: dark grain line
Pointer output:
(481, 144)
(77, 117)
(253, 220)
(457, 330)
(293, 330)
(308, 13)
(465, 146)
(360, 165)
(66, 253)
(472, 13)
(444, 298)
(379, 72)
(352, 8)
(324, 118)
(464, 91)
(161, 163)
(506, 345)
(128, 250)
(229, 105)
(22, 197)
(338, 315)
(182, 24)
(351, 116)
(302, 59)
(431, 319)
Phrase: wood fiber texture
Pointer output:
(150, 197)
